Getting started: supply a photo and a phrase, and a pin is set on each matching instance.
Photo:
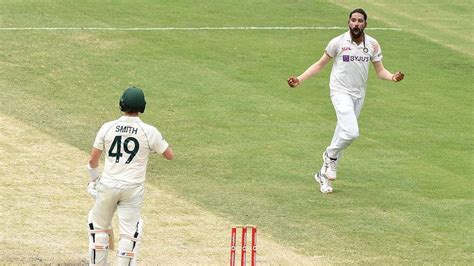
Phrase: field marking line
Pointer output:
(184, 28)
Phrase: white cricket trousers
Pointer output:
(128, 201)
(347, 109)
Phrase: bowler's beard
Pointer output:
(356, 32)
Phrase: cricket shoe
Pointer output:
(329, 167)
(324, 183)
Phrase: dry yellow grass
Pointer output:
(43, 208)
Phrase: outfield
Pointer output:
(246, 145)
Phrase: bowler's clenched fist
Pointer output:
(293, 81)
(398, 76)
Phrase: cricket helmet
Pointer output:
(132, 100)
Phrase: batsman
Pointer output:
(127, 143)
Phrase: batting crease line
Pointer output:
(184, 28)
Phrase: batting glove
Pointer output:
(92, 188)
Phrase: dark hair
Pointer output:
(358, 10)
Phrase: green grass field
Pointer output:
(246, 145)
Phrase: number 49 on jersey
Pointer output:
(117, 147)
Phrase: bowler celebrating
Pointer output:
(352, 51)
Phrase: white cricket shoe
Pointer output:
(324, 183)
(329, 167)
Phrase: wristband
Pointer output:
(93, 173)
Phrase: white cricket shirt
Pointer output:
(350, 69)
(127, 143)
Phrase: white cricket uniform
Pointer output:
(348, 83)
(127, 143)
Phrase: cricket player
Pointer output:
(352, 52)
(127, 143)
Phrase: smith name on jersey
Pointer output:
(127, 142)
